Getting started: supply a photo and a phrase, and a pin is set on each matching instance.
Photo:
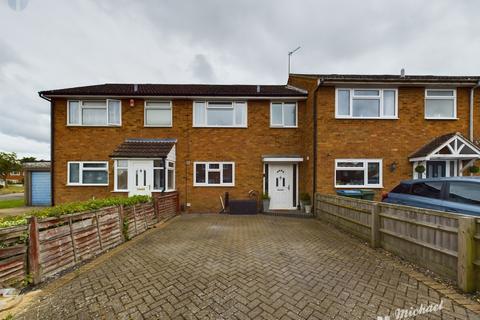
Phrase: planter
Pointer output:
(308, 208)
(302, 205)
(266, 205)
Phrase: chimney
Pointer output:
(402, 73)
(258, 89)
(135, 87)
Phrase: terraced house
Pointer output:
(318, 133)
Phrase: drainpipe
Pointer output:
(52, 145)
(472, 95)
(315, 131)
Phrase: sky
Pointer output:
(48, 44)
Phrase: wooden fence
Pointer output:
(59, 243)
(448, 244)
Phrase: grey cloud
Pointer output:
(202, 69)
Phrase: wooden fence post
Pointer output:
(34, 250)
(375, 226)
(155, 208)
(74, 249)
(121, 221)
(466, 254)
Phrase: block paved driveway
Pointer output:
(240, 267)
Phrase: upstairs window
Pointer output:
(214, 174)
(283, 114)
(366, 103)
(219, 114)
(158, 113)
(88, 173)
(440, 104)
(94, 113)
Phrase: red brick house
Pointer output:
(318, 133)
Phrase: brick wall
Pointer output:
(390, 140)
(243, 146)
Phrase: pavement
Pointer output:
(242, 267)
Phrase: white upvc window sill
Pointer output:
(226, 127)
(359, 187)
(95, 125)
(214, 185)
(158, 126)
(366, 118)
(283, 127)
(433, 118)
(87, 185)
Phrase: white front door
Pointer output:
(141, 178)
(280, 186)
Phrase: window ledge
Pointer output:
(214, 185)
(429, 118)
(157, 126)
(366, 118)
(87, 185)
(359, 187)
(283, 127)
(95, 126)
(222, 127)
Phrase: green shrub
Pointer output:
(265, 196)
(71, 208)
(305, 197)
(474, 169)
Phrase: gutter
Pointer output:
(315, 133)
(52, 146)
(472, 96)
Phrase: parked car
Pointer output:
(455, 194)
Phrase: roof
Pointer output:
(45, 165)
(179, 90)
(432, 145)
(468, 80)
(144, 148)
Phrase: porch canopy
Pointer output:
(454, 149)
(146, 149)
(282, 158)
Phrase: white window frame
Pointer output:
(206, 184)
(80, 113)
(365, 173)
(380, 96)
(146, 107)
(205, 120)
(167, 168)
(454, 97)
(282, 125)
(80, 173)
(116, 167)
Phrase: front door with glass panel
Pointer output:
(281, 186)
(436, 169)
(141, 178)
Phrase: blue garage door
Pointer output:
(41, 191)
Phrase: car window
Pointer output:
(464, 192)
(427, 189)
(402, 188)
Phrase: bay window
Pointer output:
(94, 112)
(219, 114)
(283, 114)
(214, 174)
(87, 173)
(352, 173)
(440, 104)
(366, 103)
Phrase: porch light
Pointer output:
(132, 102)
(393, 166)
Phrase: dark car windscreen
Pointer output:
(427, 189)
(402, 188)
(464, 192)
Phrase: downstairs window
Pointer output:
(214, 174)
(358, 173)
(87, 173)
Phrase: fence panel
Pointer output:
(350, 214)
(477, 255)
(426, 237)
(13, 255)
